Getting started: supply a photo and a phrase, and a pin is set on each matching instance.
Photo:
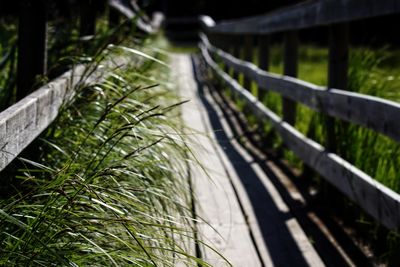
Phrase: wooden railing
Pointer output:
(24, 121)
(372, 112)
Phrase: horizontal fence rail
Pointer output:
(24, 121)
(133, 11)
(381, 115)
(375, 113)
(379, 201)
(309, 14)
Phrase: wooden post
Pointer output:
(337, 72)
(290, 69)
(113, 18)
(218, 42)
(263, 60)
(248, 56)
(88, 14)
(32, 45)
(236, 53)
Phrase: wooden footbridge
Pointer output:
(249, 212)
(241, 213)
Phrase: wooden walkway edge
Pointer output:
(241, 213)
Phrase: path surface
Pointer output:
(245, 218)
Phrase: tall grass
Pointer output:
(109, 186)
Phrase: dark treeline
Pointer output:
(219, 9)
(373, 32)
(57, 8)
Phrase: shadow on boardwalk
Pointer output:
(272, 224)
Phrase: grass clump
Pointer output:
(109, 187)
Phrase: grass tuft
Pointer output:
(108, 186)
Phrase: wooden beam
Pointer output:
(376, 199)
(337, 72)
(248, 56)
(32, 45)
(236, 53)
(21, 123)
(224, 42)
(378, 114)
(290, 69)
(263, 59)
(307, 15)
(125, 9)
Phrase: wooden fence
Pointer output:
(22, 122)
(372, 112)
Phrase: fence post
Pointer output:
(113, 17)
(263, 60)
(236, 43)
(337, 71)
(223, 44)
(248, 56)
(88, 14)
(32, 45)
(290, 69)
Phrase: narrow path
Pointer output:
(245, 218)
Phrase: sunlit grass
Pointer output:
(109, 187)
(370, 72)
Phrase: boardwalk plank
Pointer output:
(226, 229)
(249, 223)
(376, 199)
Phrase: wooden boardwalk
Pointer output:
(241, 212)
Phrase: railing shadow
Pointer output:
(261, 200)
(282, 247)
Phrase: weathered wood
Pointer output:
(21, 123)
(32, 45)
(275, 230)
(263, 59)
(248, 56)
(206, 22)
(26, 119)
(290, 69)
(337, 72)
(309, 14)
(157, 20)
(236, 53)
(128, 12)
(224, 43)
(377, 200)
(375, 113)
(216, 205)
(234, 177)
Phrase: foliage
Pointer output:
(110, 187)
